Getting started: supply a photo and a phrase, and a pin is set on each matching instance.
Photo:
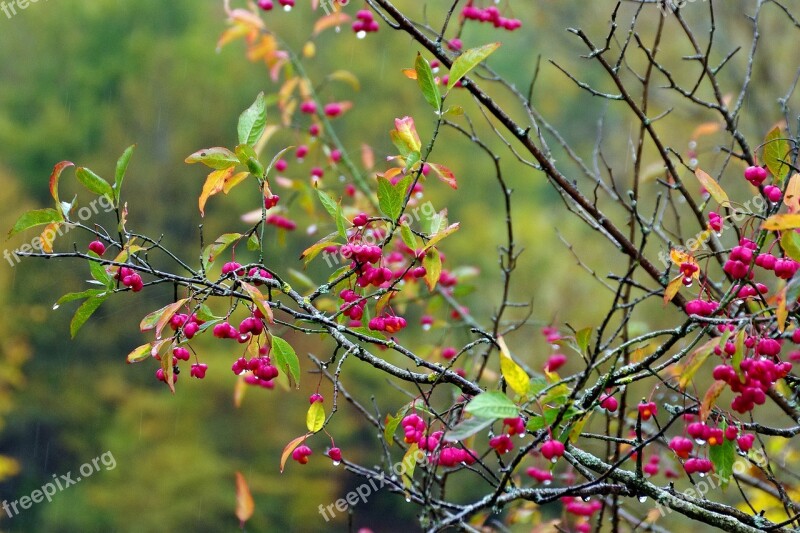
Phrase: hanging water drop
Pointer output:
(408, 498)
(287, 8)
(55, 306)
(361, 34)
(642, 499)
(337, 463)
(701, 474)
(586, 498)
(426, 327)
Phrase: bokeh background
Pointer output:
(83, 80)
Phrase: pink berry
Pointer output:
(755, 175)
(97, 247)
(335, 454)
(265, 5)
(555, 361)
(552, 450)
(773, 193)
(316, 397)
(198, 370)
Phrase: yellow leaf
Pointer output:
(233, 181)
(48, 236)
(713, 188)
(672, 289)
(409, 462)
(782, 222)
(792, 196)
(515, 376)
(347, 77)
(410, 73)
(214, 183)
(315, 418)
(244, 500)
(782, 312)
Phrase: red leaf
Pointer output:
(57, 170)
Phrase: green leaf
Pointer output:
(72, 296)
(160, 318)
(467, 428)
(245, 152)
(441, 234)
(286, 358)
(212, 251)
(583, 337)
(122, 167)
(540, 422)
(99, 272)
(253, 243)
(37, 217)
(723, 456)
(315, 417)
(83, 313)
(427, 83)
(335, 211)
(389, 428)
(312, 251)
(94, 183)
(433, 267)
(253, 121)
(492, 405)
(776, 150)
(408, 236)
(139, 354)
(790, 243)
(217, 158)
(391, 197)
(469, 60)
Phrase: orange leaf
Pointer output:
(367, 157)
(710, 399)
(48, 236)
(713, 188)
(782, 221)
(329, 21)
(287, 451)
(706, 128)
(244, 500)
(57, 170)
(672, 289)
(258, 299)
(445, 174)
(410, 73)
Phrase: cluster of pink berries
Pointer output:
(365, 23)
(356, 310)
(388, 323)
(190, 324)
(490, 14)
(698, 465)
(130, 279)
(759, 376)
(701, 307)
(450, 456)
(261, 368)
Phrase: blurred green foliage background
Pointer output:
(83, 80)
